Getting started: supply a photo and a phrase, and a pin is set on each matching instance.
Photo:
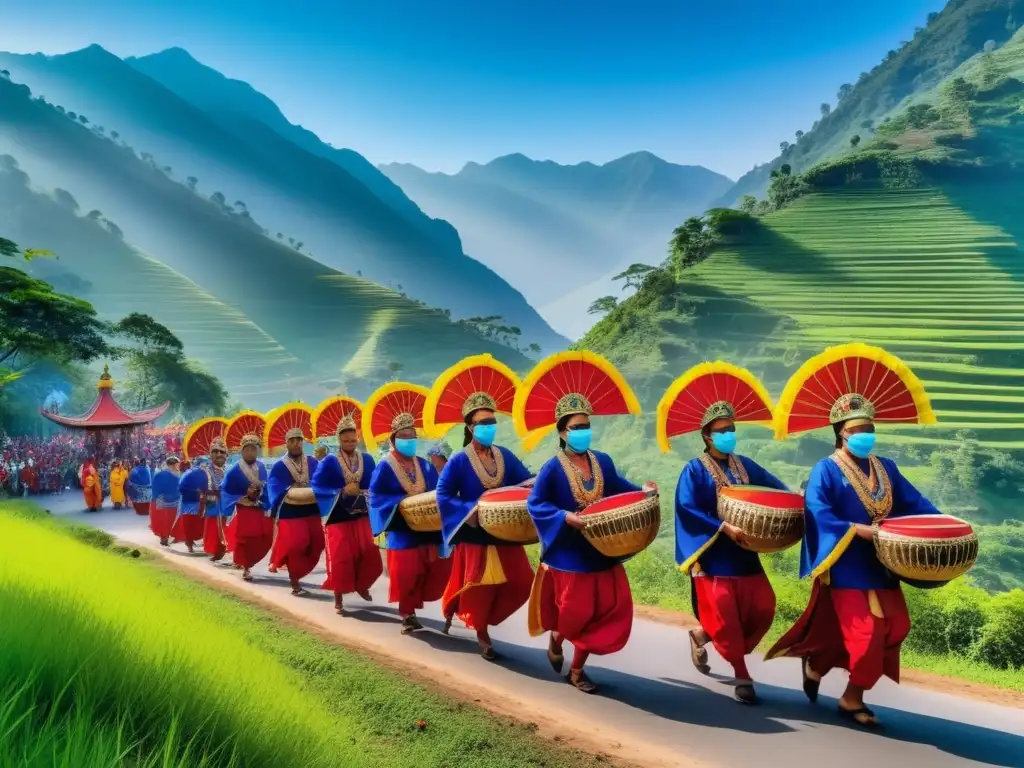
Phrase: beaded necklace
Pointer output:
(487, 478)
(353, 471)
(299, 471)
(584, 498)
(874, 489)
(736, 469)
(412, 482)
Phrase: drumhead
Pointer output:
(505, 495)
(617, 501)
(762, 496)
(928, 526)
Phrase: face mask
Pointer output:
(578, 440)
(861, 444)
(406, 446)
(724, 442)
(485, 434)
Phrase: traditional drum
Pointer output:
(421, 513)
(771, 519)
(622, 525)
(502, 513)
(299, 497)
(926, 551)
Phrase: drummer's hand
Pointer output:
(651, 488)
(733, 532)
(574, 521)
(352, 489)
(864, 531)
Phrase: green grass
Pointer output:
(107, 660)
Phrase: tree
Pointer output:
(113, 229)
(115, 135)
(633, 275)
(844, 90)
(868, 124)
(395, 368)
(799, 135)
(5, 74)
(854, 141)
(72, 115)
(280, 236)
(94, 215)
(65, 199)
(83, 119)
(990, 45)
(748, 204)
(298, 247)
(192, 182)
(240, 204)
(36, 322)
(603, 305)
(933, 16)
(534, 348)
(825, 109)
(784, 146)
(691, 243)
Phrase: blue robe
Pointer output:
(562, 547)
(385, 495)
(235, 486)
(458, 490)
(698, 525)
(278, 483)
(328, 483)
(191, 487)
(831, 546)
(165, 488)
(140, 484)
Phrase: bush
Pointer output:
(1001, 642)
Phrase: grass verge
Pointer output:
(108, 660)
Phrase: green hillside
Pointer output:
(273, 323)
(913, 67)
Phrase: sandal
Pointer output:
(698, 654)
(578, 679)
(410, 624)
(365, 595)
(745, 694)
(810, 686)
(246, 576)
(488, 653)
(862, 716)
(300, 592)
(555, 659)
(448, 624)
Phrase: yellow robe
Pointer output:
(118, 477)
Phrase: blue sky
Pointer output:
(717, 83)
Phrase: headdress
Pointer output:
(282, 423)
(440, 448)
(200, 436)
(248, 440)
(708, 392)
(851, 383)
(347, 424)
(171, 460)
(332, 412)
(476, 382)
(245, 424)
(395, 406)
(565, 384)
(218, 444)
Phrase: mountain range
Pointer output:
(560, 232)
(223, 138)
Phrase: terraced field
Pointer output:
(908, 271)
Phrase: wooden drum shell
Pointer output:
(623, 529)
(421, 513)
(766, 527)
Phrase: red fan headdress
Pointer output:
(707, 392)
(285, 419)
(473, 383)
(200, 436)
(245, 423)
(852, 381)
(568, 383)
(328, 415)
(395, 406)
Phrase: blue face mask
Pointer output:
(406, 446)
(724, 442)
(578, 440)
(485, 434)
(861, 444)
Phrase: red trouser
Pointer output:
(736, 612)
(417, 576)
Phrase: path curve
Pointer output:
(655, 709)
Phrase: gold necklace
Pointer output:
(487, 480)
(411, 486)
(718, 475)
(353, 474)
(251, 471)
(299, 472)
(877, 502)
(574, 475)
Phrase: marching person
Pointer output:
(214, 535)
(140, 487)
(189, 526)
(731, 595)
(299, 535)
(341, 484)
(579, 594)
(245, 501)
(417, 564)
(166, 497)
(857, 618)
(491, 578)
(118, 478)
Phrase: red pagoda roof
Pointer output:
(105, 413)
